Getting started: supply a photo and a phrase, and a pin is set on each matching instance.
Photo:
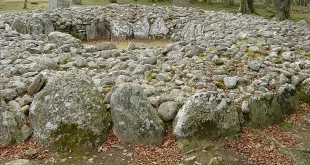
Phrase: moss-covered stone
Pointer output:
(68, 111)
(70, 138)
(303, 91)
(206, 115)
(264, 110)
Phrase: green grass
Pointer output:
(297, 12)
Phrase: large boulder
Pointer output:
(121, 30)
(206, 115)
(288, 99)
(63, 39)
(262, 109)
(158, 28)
(134, 118)
(141, 29)
(69, 114)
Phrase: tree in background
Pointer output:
(228, 3)
(283, 8)
(247, 7)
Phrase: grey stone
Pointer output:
(8, 94)
(106, 46)
(192, 30)
(304, 90)
(134, 118)
(80, 62)
(9, 128)
(69, 106)
(36, 84)
(19, 162)
(206, 114)
(121, 30)
(168, 110)
(254, 49)
(14, 106)
(31, 152)
(264, 110)
(63, 39)
(217, 60)
(159, 28)
(283, 79)
(288, 99)
(141, 29)
(230, 82)
(288, 56)
(255, 64)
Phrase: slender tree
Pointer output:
(25, 4)
(283, 8)
(247, 7)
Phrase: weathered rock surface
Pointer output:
(239, 57)
(206, 115)
(134, 118)
(69, 114)
(13, 126)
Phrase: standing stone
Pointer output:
(135, 119)
(121, 30)
(58, 4)
(264, 109)
(69, 114)
(304, 91)
(158, 28)
(192, 30)
(206, 115)
(288, 98)
(98, 30)
(141, 29)
(36, 85)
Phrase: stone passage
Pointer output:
(223, 71)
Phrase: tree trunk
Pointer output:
(181, 3)
(25, 4)
(247, 7)
(228, 3)
(282, 8)
(209, 2)
(267, 3)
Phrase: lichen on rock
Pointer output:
(69, 106)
